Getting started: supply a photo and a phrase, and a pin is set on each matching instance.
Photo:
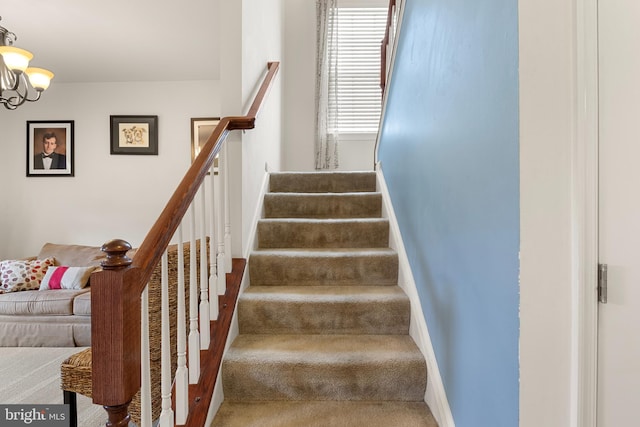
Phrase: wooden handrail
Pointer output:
(383, 45)
(160, 234)
(115, 291)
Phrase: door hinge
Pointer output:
(602, 283)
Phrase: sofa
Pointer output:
(51, 317)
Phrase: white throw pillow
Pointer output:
(65, 277)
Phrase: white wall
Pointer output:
(547, 114)
(253, 37)
(110, 196)
(262, 42)
(232, 105)
(299, 72)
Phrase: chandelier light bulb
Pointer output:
(16, 59)
(39, 78)
(19, 83)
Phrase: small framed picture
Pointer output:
(50, 149)
(201, 130)
(134, 135)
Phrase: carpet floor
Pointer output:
(324, 325)
(31, 375)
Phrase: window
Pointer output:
(354, 102)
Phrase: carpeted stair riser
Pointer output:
(324, 310)
(324, 367)
(323, 327)
(310, 205)
(313, 182)
(324, 414)
(323, 233)
(324, 267)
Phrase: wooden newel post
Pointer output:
(115, 333)
(116, 251)
(118, 415)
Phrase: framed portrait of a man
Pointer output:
(50, 150)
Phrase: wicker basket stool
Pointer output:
(75, 377)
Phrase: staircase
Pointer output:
(323, 325)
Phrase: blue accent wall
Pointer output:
(449, 154)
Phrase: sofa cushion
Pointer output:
(82, 304)
(73, 255)
(58, 302)
(45, 331)
(23, 275)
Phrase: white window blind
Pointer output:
(354, 75)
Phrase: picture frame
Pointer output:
(50, 150)
(134, 135)
(201, 130)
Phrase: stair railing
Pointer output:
(120, 309)
(388, 42)
(387, 56)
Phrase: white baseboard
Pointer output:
(251, 242)
(435, 395)
(218, 394)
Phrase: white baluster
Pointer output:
(212, 300)
(219, 202)
(203, 311)
(166, 415)
(227, 214)
(194, 334)
(182, 372)
(213, 278)
(145, 386)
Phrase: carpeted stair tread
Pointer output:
(324, 367)
(323, 326)
(313, 267)
(324, 309)
(322, 182)
(323, 233)
(322, 205)
(324, 414)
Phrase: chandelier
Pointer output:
(18, 81)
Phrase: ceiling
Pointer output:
(118, 40)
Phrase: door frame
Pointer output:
(584, 344)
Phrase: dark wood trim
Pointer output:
(383, 46)
(200, 394)
(115, 293)
(160, 234)
(254, 110)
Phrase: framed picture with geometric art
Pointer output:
(50, 150)
(134, 135)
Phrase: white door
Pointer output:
(619, 212)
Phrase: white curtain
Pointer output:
(326, 143)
